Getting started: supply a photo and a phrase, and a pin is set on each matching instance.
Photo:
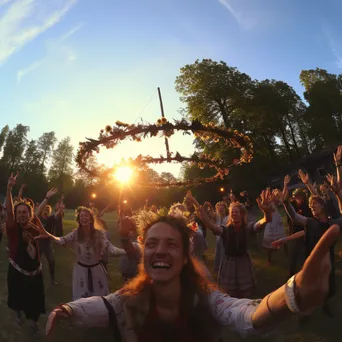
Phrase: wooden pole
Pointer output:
(168, 155)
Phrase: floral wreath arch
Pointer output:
(111, 136)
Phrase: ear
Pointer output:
(185, 261)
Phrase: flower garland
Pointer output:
(111, 136)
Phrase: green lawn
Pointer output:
(320, 328)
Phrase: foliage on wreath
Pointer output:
(111, 136)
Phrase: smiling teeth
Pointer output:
(161, 264)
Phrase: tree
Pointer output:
(167, 177)
(61, 169)
(324, 113)
(212, 91)
(46, 143)
(31, 162)
(15, 147)
(3, 135)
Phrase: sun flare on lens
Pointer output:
(123, 174)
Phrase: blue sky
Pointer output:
(73, 66)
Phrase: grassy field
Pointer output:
(320, 328)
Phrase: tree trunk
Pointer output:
(293, 135)
(303, 137)
(270, 148)
(286, 143)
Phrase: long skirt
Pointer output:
(26, 293)
(236, 274)
(89, 280)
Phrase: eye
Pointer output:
(172, 244)
(150, 244)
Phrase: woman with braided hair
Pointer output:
(89, 243)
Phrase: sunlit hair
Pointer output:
(95, 228)
(319, 200)
(224, 204)
(193, 276)
(194, 282)
(243, 213)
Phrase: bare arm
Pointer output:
(295, 236)
(43, 204)
(9, 201)
(20, 194)
(295, 217)
(305, 179)
(9, 207)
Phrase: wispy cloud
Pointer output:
(55, 50)
(23, 72)
(245, 19)
(24, 20)
(332, 45)
(71, 32)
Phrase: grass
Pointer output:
(320, 328)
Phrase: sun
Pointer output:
(123, 174)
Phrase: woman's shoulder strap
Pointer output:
(112, 320)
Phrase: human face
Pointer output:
(163, 253)
(299, 200)
(316, 208)
(85, 218)
(154, 209)
(236, 215)
(46, 212)
(22, 214)
(221, 210)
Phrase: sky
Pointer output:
(74, 66)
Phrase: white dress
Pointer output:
(89, 275)
(274, 230)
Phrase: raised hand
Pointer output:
(338, 155)
(126, 225)
(12, 180)
(285, 195)
(303, 176)
(51, 192)
(287, 180)
(61, 312)
(335, 186)
(192, 199)
(312, 282)
(265, 200)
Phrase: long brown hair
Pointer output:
(95, 229)
(243, 213)
(194, 280)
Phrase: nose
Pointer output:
(161, 248)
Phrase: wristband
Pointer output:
(291, 298)
(290, 295)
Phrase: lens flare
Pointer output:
(123, 174)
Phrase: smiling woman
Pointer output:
(172, 297)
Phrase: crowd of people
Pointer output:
(169, 292)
